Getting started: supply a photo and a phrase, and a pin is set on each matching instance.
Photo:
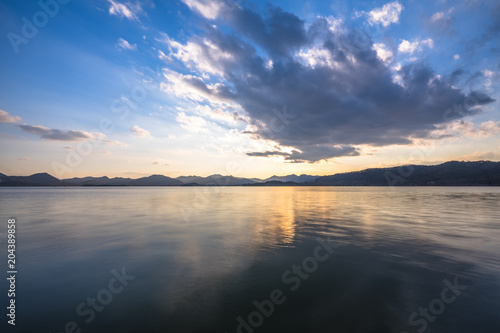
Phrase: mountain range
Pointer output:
(447, 174)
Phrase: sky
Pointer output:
(246, 88)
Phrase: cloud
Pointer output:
(492, 32)
(383, 52)
(126, 10)
(326, 93)
(313, 153)
(481, 156)
(210, 9)
(442, 22)
(24, 159)
(156, 163)
(124, 45)
(278, 32)
(140, 132)
(5, 117)
(163, 57)
(194, 88)
(437, 16)
(60, 135)
(192, 124)
(467, 129)
(456, 56)
(386, 15)
(71, 148)
(415, 46)
(198, 54)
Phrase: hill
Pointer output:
(292, 178)
(453, 173)
(38, 179)
(446, 174)
(215, 180)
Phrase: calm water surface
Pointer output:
(201, 257)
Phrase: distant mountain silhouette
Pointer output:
(279, 183)
(80, 181)
(292, 178)
(105, 181)
(38, 179)
(446, 174)
(156, 180)
(215, 180)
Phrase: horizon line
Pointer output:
(243, 177)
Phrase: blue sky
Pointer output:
(248, 88)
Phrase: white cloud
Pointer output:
(489, 128)
(128, 10)
(437, 16)
(468, 129)
(270, 65)
(140, 132)
(488, 76)
(456, 56)
(176, 84)
(442, 16)
(217, 114)
(428, 42)
(488, 73)
(386, 15)
(124, 45)
(407, 47)
(193, 88)
(316, 57)
(200, 54)
(208, 8)
(383, 52)
(192, 124)
(163, 57)
(5, 117)
(481, 156)
(334, 24)
(415, 46)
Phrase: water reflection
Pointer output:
(198, 274)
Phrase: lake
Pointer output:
(255, 259)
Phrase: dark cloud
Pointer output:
(268, 153)
(455, 75)
(278, 33)
(55, 134)
(313, 153)
(339, 92)
(492, 32)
